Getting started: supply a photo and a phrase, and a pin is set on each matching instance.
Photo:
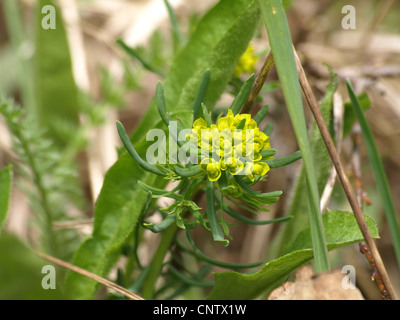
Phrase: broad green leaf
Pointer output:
(282, 49)
(341, 229)
(221, 37)
(5, 193)
(378, 170)
(21, 273)
(116, 214)
(55, 88)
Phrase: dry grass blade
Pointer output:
(109, 284)
(313, 104)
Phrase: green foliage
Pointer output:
(349, 114)
(221, 36)
(48, 176)
(57, 105)
(21, 276)
(282, 48)
(196, 69)
(5, 193)
(341, 229)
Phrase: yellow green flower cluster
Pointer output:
(246, 62)
(233, 144)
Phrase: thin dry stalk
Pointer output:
(338, 113)
(109, 284)
(356, 163)
(258, 83)
(313, 104)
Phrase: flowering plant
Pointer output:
(231, 155)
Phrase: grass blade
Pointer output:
(282, 50)
(378, 170)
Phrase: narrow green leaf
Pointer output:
(131, 149)
(341, 229)
(212, 214)
(284, 161)
(200, 95)
(245, 187)
(135, 54)
(241, 124)
(267, 153)
(195, 283)
(206, 115)
(160, 227)
(174, 23)
(137, 285)
(268, 128)
(215, 262)
(233, 213)
(261, 114)
(156, 192)
(160, 102)
(5, 193)
(242, 95)
(188, 171)
(379, 172)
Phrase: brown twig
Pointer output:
(258, 83)
(338, 114)
(313, 104)
(361, 200)
(109, 284)
(375, 274)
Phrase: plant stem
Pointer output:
(156, 264)
(258, 83)
(51, 242)
(313, 104)
(90, 275)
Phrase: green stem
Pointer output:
(157, 262)
(50, 242)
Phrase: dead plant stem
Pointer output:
(109, 284)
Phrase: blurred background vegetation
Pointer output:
(72, 84)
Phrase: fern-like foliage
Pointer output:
(48, 176)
